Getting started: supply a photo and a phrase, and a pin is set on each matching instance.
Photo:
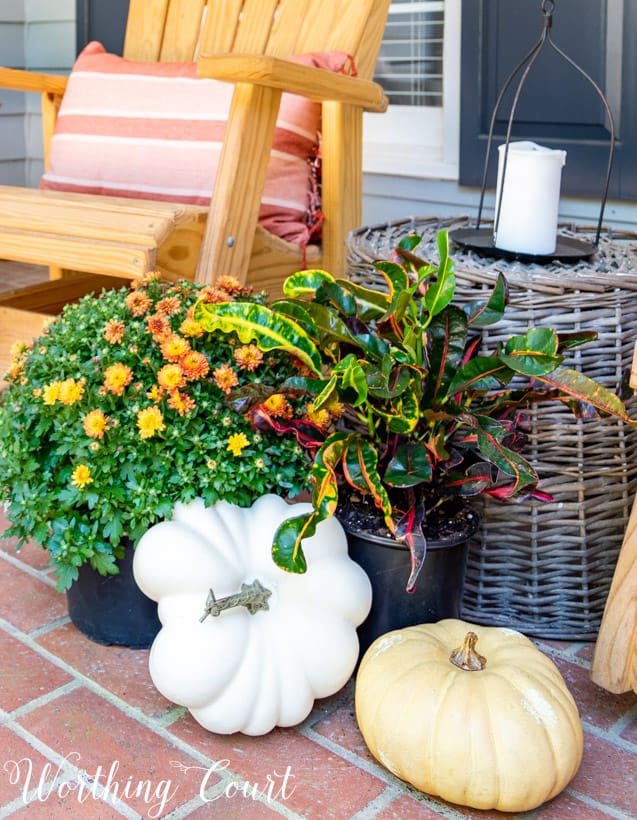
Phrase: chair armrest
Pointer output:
(316, 84)
(20, 80)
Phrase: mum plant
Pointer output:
(117, 412)
(426, 417)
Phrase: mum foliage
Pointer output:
(117, 412)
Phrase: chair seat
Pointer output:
(117, 236)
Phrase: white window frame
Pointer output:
(419, 141)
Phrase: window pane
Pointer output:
(410, 61)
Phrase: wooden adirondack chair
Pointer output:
(245, 42)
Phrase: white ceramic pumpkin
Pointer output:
(505, 735)
(237, 671)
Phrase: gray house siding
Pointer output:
(40, 35)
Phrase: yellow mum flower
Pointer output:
(150, 421)
(237, 442)
(51, 393)
(321, 417)
(81, 476)
(171, 377)
(18, 348)
(117, 377)
(155, 393)
(70, 391)
(95, 423)
(189, 327)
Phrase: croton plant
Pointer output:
(408, 409)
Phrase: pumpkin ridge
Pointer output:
(547, 735)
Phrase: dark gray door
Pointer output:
(557, 107)
(103, 20)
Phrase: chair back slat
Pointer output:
(177, 30)
(183, 29)
(145, 29)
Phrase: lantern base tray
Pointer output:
(480, 240)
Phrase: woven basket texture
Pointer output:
(545, 568)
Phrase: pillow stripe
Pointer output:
(155, 130)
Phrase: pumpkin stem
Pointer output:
(465, 656)
(254, 597)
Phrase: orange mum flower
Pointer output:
(214, 295)
(171, 377)
(158, 326)
(139, 303)
(169, 305)
(116, 378)
(95, 423)
(278, 406)
(225, 378)
(114, 331)
(194, 364)
(174, 346)
(145, 279)
(248, 357)
(181, 402)
(230, 284)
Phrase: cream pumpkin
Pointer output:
(261, 662)
(505, 735)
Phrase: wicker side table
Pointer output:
(546, 568)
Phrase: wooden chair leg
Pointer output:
(615, 661)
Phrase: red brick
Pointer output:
(24, 675)
(596, 706)
(607, 775)
(122, 671)
(325, 785)
(586, 652)
(235, 808)
(12, 779)
(26, 602)
(568, 807)
(63, 808)
(629, 732)
(105, 737)
(341, 727)
(406, 808)
(29, 553)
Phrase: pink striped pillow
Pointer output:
(155, 130)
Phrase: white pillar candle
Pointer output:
(531, 198)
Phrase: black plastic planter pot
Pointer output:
(111, 609)
(438, 592)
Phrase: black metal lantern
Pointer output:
(482, 240)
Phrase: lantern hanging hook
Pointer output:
(524, 66)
